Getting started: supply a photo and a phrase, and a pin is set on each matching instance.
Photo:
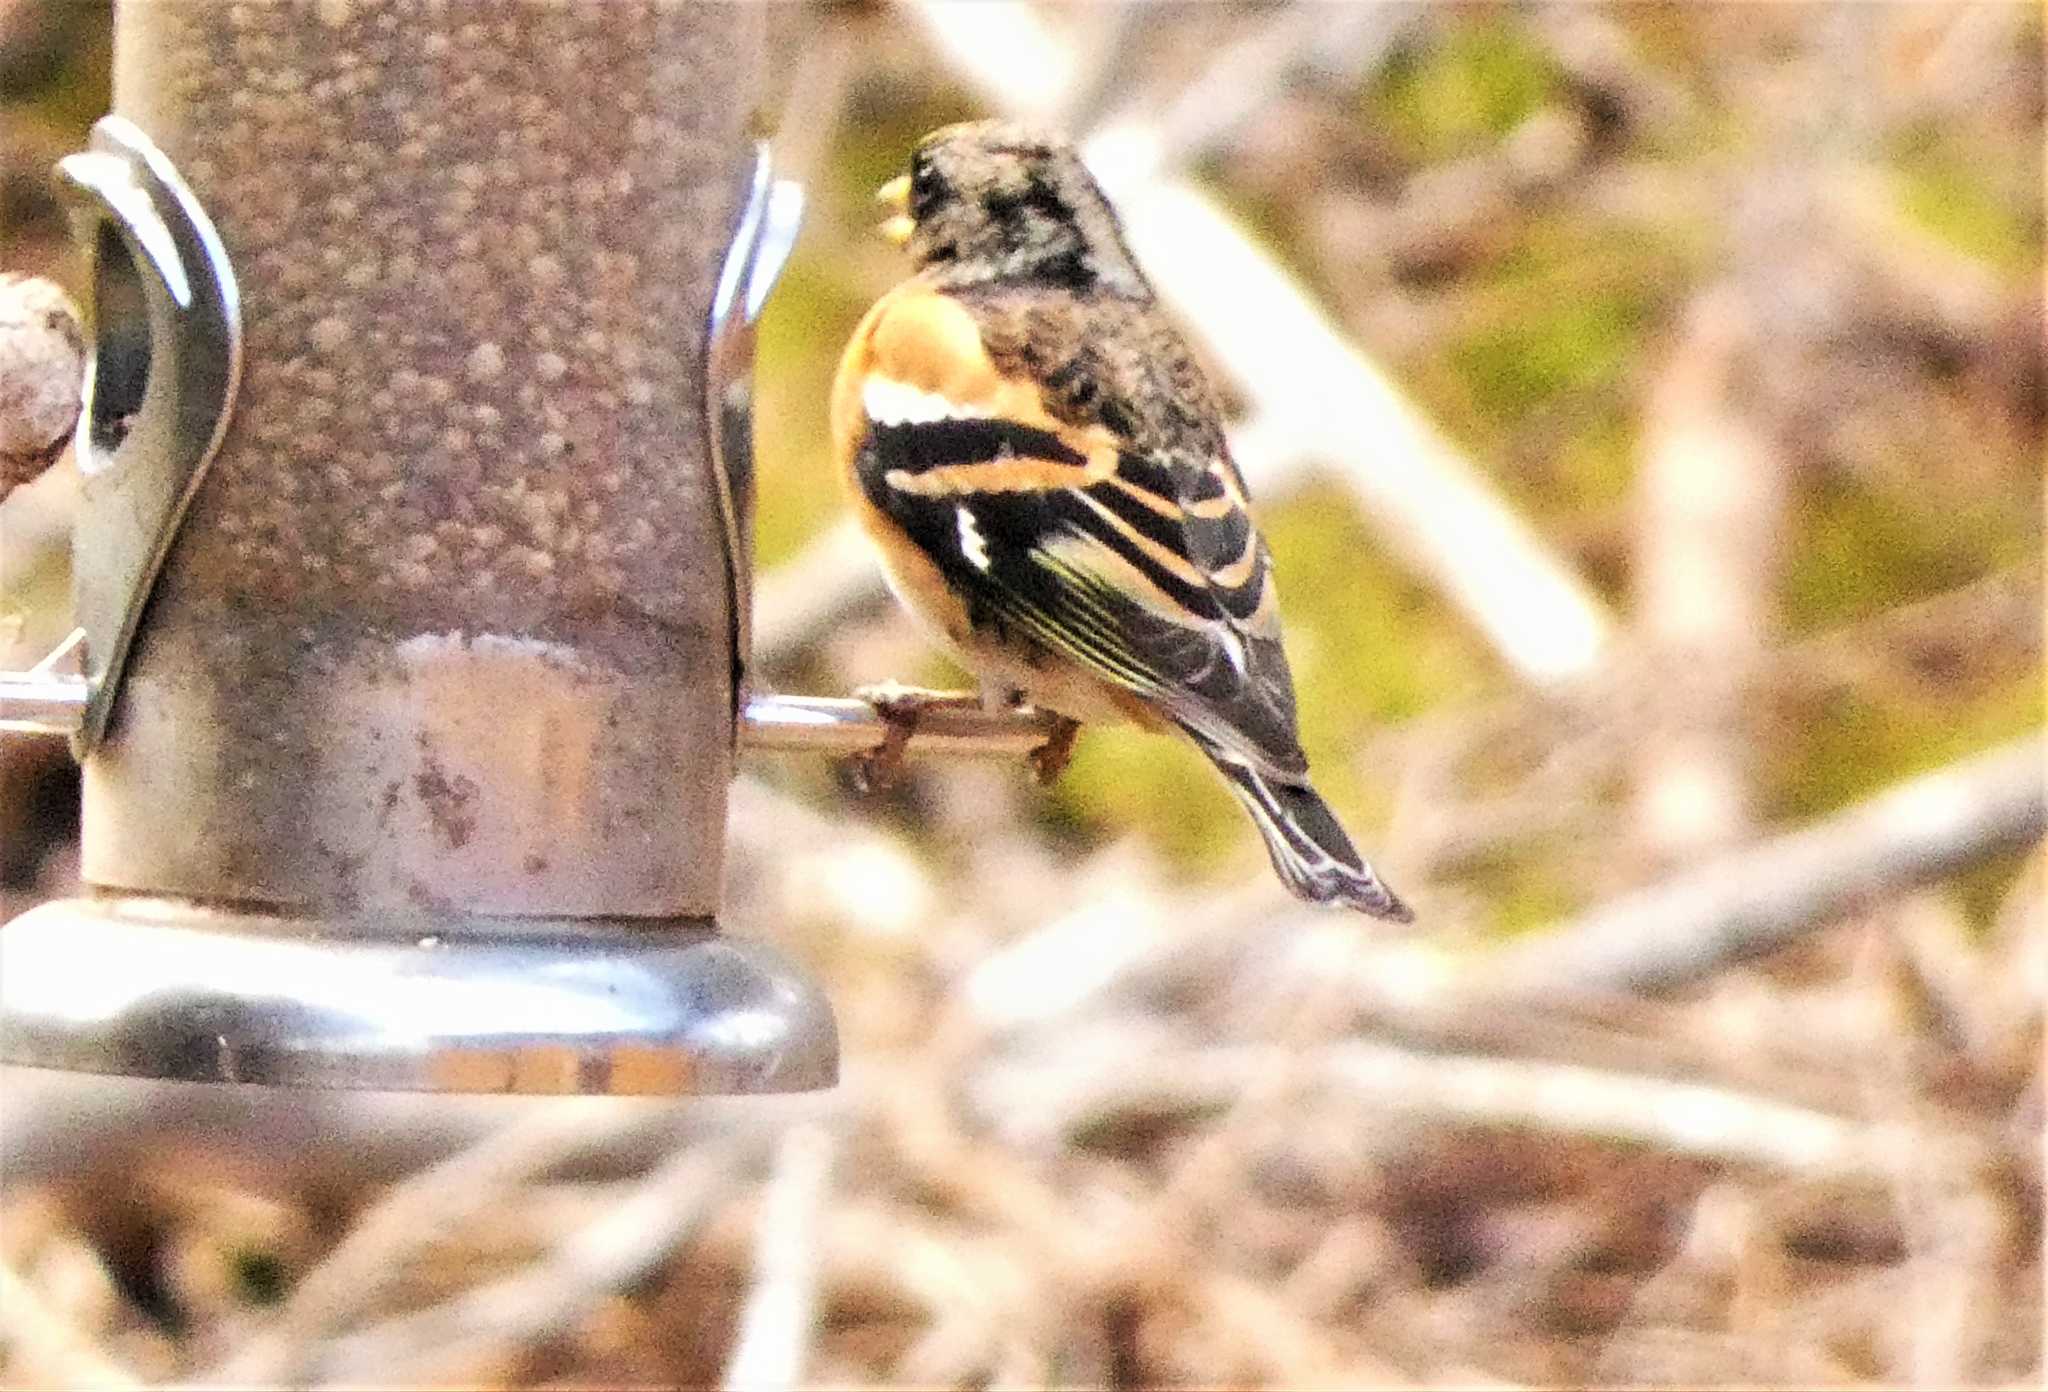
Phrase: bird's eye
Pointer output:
(924, 185)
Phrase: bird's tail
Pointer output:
(1310, 851)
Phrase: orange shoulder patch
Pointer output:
(930, 341)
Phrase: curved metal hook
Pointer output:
(761, 244)
(141, 468)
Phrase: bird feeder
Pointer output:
(412, 560)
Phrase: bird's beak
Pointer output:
(895, 196)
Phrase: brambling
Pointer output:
(1042, 464)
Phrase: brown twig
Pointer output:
(408, 1219)
(1760, 898)
(775, 1327)
(615, 1252)
(1045, 1104)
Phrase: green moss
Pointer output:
(74, 91)
(1125, 778)
(1850, 742)
(1560, 343)
(1482, 77)
(1370, 645)
(1541, 380)
(1525, 890)
(259, 1276)
(1982, 890)
(1860, 550)
(881, 125)
(1946, 191)
(1597, 463)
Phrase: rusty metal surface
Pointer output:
(454, 773)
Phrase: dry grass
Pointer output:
(1220, 1160)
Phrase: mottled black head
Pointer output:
(989, 200)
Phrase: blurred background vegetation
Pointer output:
(1737, 307)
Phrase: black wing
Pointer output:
(1142, 573)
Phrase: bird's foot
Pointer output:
(899, 706)
(1050, 759)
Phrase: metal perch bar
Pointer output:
(839, 725)
(46, 700)
(34, 703)
(37, 703)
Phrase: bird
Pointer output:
(1040, 461)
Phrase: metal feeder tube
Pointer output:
(408, 767)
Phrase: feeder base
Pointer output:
(164, 988)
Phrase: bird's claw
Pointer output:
(1050, 759)
(899, 707)
(882, 766)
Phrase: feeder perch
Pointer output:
(412, 560)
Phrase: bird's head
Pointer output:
(989, 200)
